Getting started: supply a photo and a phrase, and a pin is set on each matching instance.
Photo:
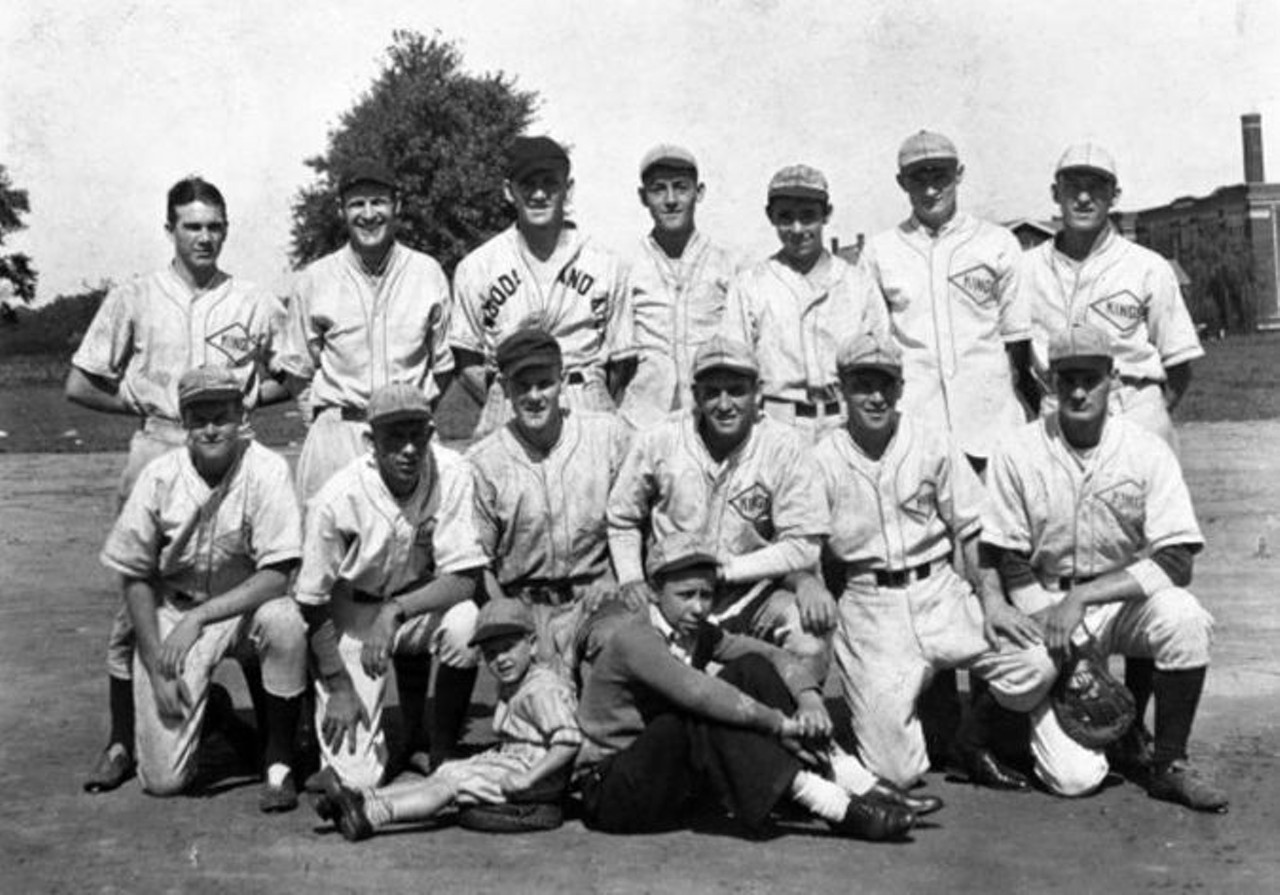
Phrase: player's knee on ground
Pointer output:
(279, 637)
(1180, 630)
(165, 777)
(1064, 766)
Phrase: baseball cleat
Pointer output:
(1181, 784)
(874, 821)
(1132, 756)
(278, 799)
(115, 766)
(886, 792)
(983, 769)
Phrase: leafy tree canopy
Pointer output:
(443, 131)
(15, 267)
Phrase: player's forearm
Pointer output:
(440, 593)
(702, 695)
(624, 549)
(470, 372)
(775, 561)
(442, 381)
(140, 598)
(96, 393)
(263, 585)
(1024, 382)
(1177, 380)
(322, 636)
(558, 758)
(619, 374)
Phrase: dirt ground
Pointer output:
(55, 606)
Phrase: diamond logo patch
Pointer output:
(978, 283)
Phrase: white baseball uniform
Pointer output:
(954, 306)
(579, 295)
(1132, 294)
(350, 333)
(677, 305)
(904, 612)
(362, 546)
(1080, 515)
(796, 324)
(194, 543)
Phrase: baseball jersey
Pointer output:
(359, 534)
(579, 295)
(677, 304)
(541, 517)
(797, 322)
(1126, 290)
(903, 510)
(150, 331)
(350, 333)
(1082, 515)
(765, 493)
(953, 306)
(189, 539)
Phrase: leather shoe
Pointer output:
(1133, 755)
(344, 807)
(278, 799)
(886, 792)
(1180, 783)
(984, 769)
(115, 766)
(874, 821)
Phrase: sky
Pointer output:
(105, 103)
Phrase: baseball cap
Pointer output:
(719, 353)
(529, 154)
(679, 550)
(501, 616)
(869, 351)
(1079, 345)
(208, 382)
(527, 347)
(397, 401)
(799, 182)
(366, 171)
(926, 146)
(669, 155)
(1089, 157)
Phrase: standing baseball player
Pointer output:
(205, 544)
(795, 308)
(1090, 273)
(1093, 533)
(902, 498)
(679, 286)
(747, 485)
(542, 272)
(145, 335)
(541, 490)
(390, 564)
(663, 737)
(371, 313)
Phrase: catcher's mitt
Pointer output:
(511, 817)
(1092, 706)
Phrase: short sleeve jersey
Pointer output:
(542, 517)
(200, 541)
(1082, 516)
(953, 306)
(1126, 290)
(351, 333)
(541, 713)
(584, 303)
(796, 323)
(150, 331)
(677, 304)
(359, 535)
(905, 509)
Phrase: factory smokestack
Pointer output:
(1251, 132)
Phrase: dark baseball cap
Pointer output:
(529, 154)
(527, 347)
(678, 551)
(502, 616)
(366, 171)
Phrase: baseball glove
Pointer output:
(1092, 706)
(511, 817)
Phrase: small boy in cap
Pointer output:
(535, 723)
(541, 488)
(206, 543)
(796, 307)
(542, 272)
(389, 567)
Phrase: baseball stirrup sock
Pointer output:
(280, 716)
(1177, 695)
(413, 674)
(822, 797)
(452, 699)
(1138, 678)
(120, 699)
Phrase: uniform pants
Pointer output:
(679, 761)
(443, 634)
(331, 444)
(889, 643)
(274, 635)
(591, 394)
(813, 428)
(1170, 627)
(740, 614)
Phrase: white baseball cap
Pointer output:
(1087, 157)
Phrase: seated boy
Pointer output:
(538, 738)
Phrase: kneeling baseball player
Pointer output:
(389, 567)
(663, 738)
(901, 495)
(534, 720)
(1092, 530)
(206, 543)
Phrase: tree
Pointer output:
(15, 267)
(443, 131)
